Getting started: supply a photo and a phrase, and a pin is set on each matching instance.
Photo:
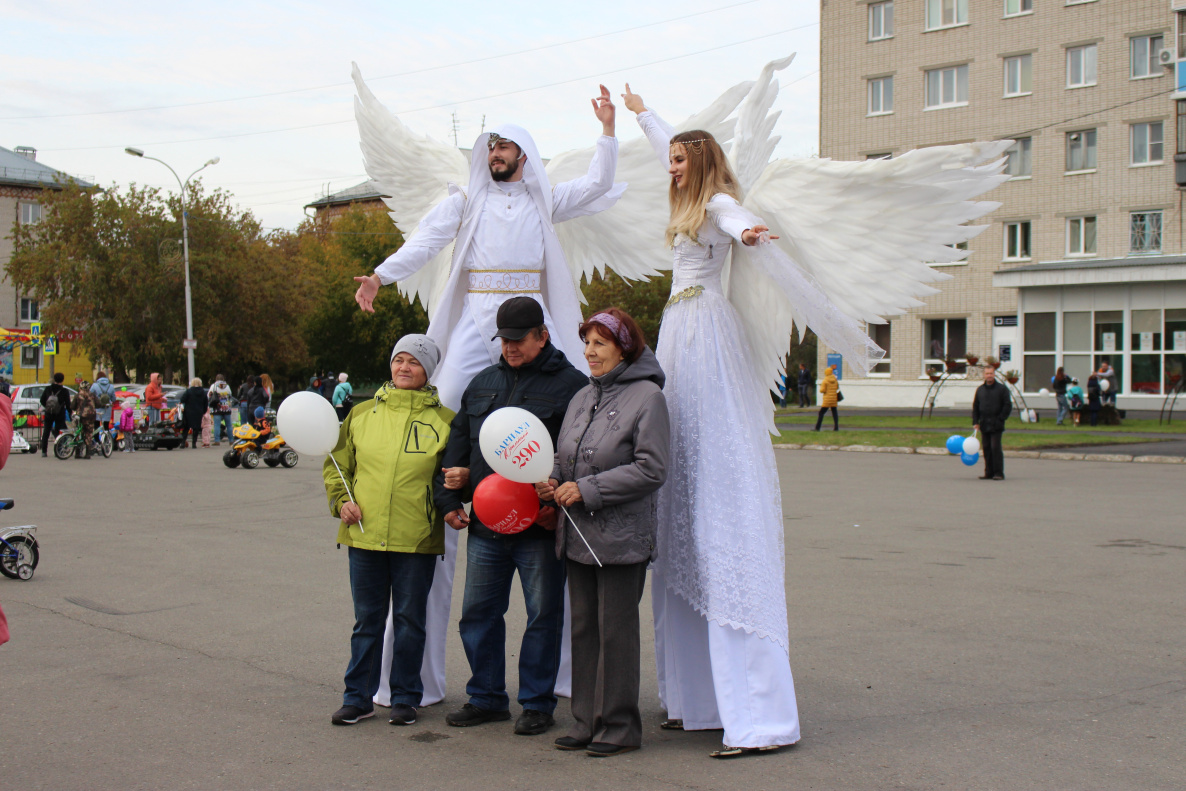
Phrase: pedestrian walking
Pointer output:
(55, 400)
(194, 405)
(1060, 382)
(804, 386)
(991, 406)
(830, 398)
(220, 409)
(343, 399)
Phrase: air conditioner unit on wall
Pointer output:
(1166, 58)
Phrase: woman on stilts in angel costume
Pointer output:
(721, 636)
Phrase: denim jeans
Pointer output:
(219, 422)
(1064, 408)
(489, 572)
(154, 416)
(379, 579)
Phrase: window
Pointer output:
(947, 87)
(1019, 75)
(1081, 234)
(30, 213)
(1017, 241)
(1019, 158)
(1040, 334)
(881, 96)
(880, 333)
(1182, 34)
(1015, 7)
(1081, 150)
(1145, 232)
(1146, 143)
(886, 155)
(881, 20)
(1081, 66)
(1109, 343)
(29, 309)
(945, 339)
(1181, 106)
(1143, 52)
(30, 356)
(945, 13)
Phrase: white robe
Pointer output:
(501, 228)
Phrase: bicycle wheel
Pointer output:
(23, 553)
(64, 446)
(106, 445)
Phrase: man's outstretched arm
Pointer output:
(436, 230)
(573, 198)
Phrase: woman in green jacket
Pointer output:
(390, 450)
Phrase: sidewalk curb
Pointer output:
(1009, 454)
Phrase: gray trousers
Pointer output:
(605, 652)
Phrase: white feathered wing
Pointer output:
(855, 237)
(414, 173)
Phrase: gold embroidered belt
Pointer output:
(504, 281)
(691, 292)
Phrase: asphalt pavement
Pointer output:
(188, 628)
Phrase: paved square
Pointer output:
(188, 627)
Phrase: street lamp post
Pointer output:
(189, 309)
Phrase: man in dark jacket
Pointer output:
(257, 396)
(990, 407)
(55, 411)
(804, 386)
(533, 375)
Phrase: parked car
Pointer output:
(26, 399)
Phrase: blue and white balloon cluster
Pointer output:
(967, 448)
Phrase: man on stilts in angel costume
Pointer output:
(474, 247)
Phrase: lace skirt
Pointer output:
(720, 532)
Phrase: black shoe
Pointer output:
(44, 454)
(533, 723)
(986, 477)
(469, 714)
(348, 715)
(605, 749)
(569, 743)
(402, 714)
(998, 477)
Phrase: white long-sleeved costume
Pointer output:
(505, 246)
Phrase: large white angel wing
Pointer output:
(628, 238)
(414, 173)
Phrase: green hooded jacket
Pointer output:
(389, 449)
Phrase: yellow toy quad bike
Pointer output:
(246, 451)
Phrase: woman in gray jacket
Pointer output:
(611, 459)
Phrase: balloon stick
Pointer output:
(343, 477)
(579, 533)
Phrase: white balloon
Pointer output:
(971, 446)
(1033, 416)
(516, 445)
(1044, 392)
(1105, 385)
(1024, 415)
(308, 423)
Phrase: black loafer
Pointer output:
(569, 743)
(469, 714)
(532, 722)
(605, 749)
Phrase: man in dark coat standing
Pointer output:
(990, 407)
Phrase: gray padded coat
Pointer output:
(614, 443)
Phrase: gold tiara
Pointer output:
(689, 142)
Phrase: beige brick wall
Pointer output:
(848, 59)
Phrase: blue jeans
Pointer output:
(244, 418)
(489, 572)
(377, 579)
(1064, 408)
(154, 416)
(219, 422)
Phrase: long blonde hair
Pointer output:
(708, 174)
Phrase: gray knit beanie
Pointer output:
(423, 348)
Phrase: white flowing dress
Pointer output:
(718, 590)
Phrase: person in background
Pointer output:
(55, 410)
(104, 393)
(127, 424)
(804, 386)
(1094, 397)
(829, 388)
(194, 405)
(4, 388)
(1107, 374)
(257, 396)
(85, 410)
(343, 399)
(327, 385)
(991, 407)
(154, 399)
(265, 382)
(220, 409)
(1059, 382)
(1075, 400)
(244, 391)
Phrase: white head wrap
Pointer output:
(423, 348)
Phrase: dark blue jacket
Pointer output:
(543, 387)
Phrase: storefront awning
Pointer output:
(1134, 269)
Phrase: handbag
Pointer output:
(839, 396)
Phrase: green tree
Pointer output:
(340, 336)
(109, 264)
(642, 300)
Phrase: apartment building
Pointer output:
(1084, 261)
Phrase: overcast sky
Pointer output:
(187, 82)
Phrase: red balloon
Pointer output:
(505, 506)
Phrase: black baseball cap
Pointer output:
(517, 317)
